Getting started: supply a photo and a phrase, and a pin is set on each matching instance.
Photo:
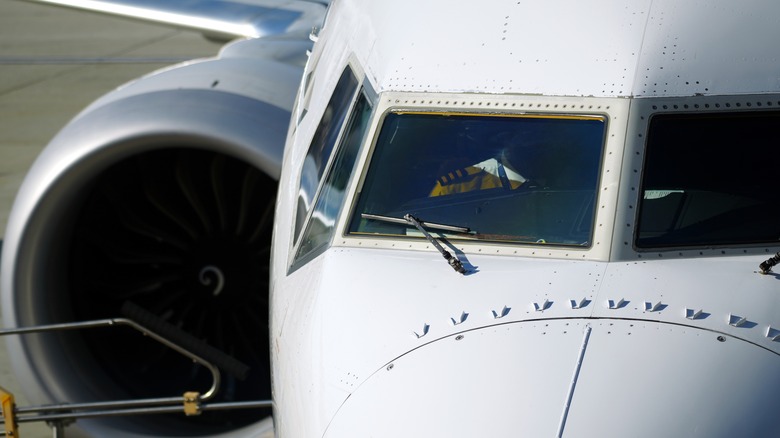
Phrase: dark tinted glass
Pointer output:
(519, 178)
(709, 180)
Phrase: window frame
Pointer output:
(609, 178)
(524, 121)
(363, 90)
(298, 222)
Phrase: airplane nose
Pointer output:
(570, 378)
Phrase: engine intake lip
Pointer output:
(182, 232)
(38, 252)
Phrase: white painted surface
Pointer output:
(339, 321)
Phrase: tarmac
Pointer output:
(53, 63)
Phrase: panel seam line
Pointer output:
(574, 377)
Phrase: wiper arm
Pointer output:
(408, 219)
(453, 261)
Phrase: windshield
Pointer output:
(709, 180)
(516, 178)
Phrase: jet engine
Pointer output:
(160, 194)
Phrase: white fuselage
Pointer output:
(376, 335)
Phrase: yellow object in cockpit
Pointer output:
(489, 174)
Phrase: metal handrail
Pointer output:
(190, 403)
(144, 330)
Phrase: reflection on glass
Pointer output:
(320, 227)
(517, 178)
(709, 180)
(322, 145)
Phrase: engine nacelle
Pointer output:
(161, 194)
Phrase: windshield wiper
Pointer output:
(404, 221)
(408, 219)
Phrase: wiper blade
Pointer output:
(404, 221)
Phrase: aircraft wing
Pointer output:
(219, 19)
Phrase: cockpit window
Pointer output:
(320, 228)
(515, 178)
(322, 145)
(709, 180)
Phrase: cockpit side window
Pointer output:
(319, 230)
(709, 180)
(513, 178)
(321, 147)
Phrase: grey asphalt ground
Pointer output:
(53, 63)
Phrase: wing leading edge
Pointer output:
(223, 19)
